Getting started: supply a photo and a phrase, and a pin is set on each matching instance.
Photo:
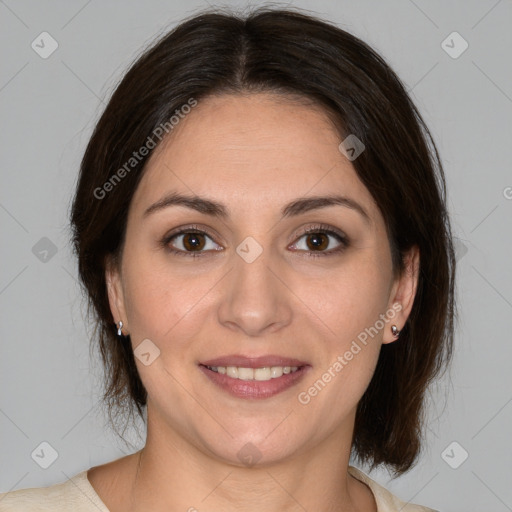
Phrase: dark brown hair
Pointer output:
(290, 53)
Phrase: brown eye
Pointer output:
(193, 241)
(321, 240)
(317, 241)
(190, 242)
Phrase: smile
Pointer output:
(251, 378)
(260, 374)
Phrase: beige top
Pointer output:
(78, 495)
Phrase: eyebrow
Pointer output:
(296, 207)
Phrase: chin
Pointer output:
(254, 446)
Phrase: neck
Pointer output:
(173, 474)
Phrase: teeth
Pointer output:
(261, 374)
(245, 373)
(231, 371)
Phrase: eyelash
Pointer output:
(317, 229)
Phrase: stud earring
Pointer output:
(395, 331)
(119, 327)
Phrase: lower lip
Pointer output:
(255, 388)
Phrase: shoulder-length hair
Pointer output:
(289, 53)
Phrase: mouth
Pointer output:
(251, 378)
(260, 374)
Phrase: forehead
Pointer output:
(251, 150)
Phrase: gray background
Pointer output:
(50, 388)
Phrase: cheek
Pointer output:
(147, 296)
(163, 304)
(163, 307)
(148, 292)
(351, 306)
(351, 299)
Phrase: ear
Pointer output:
(115, 292)
(403, 293)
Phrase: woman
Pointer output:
(261, 229)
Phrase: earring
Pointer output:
(395, 331)
(119, 327)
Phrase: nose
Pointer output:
(256, 301)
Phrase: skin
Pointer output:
(253, 153)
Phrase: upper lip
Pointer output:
(253, 362)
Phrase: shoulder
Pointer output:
(386, 502)
(75, 494)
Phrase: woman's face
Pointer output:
(245, 286)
